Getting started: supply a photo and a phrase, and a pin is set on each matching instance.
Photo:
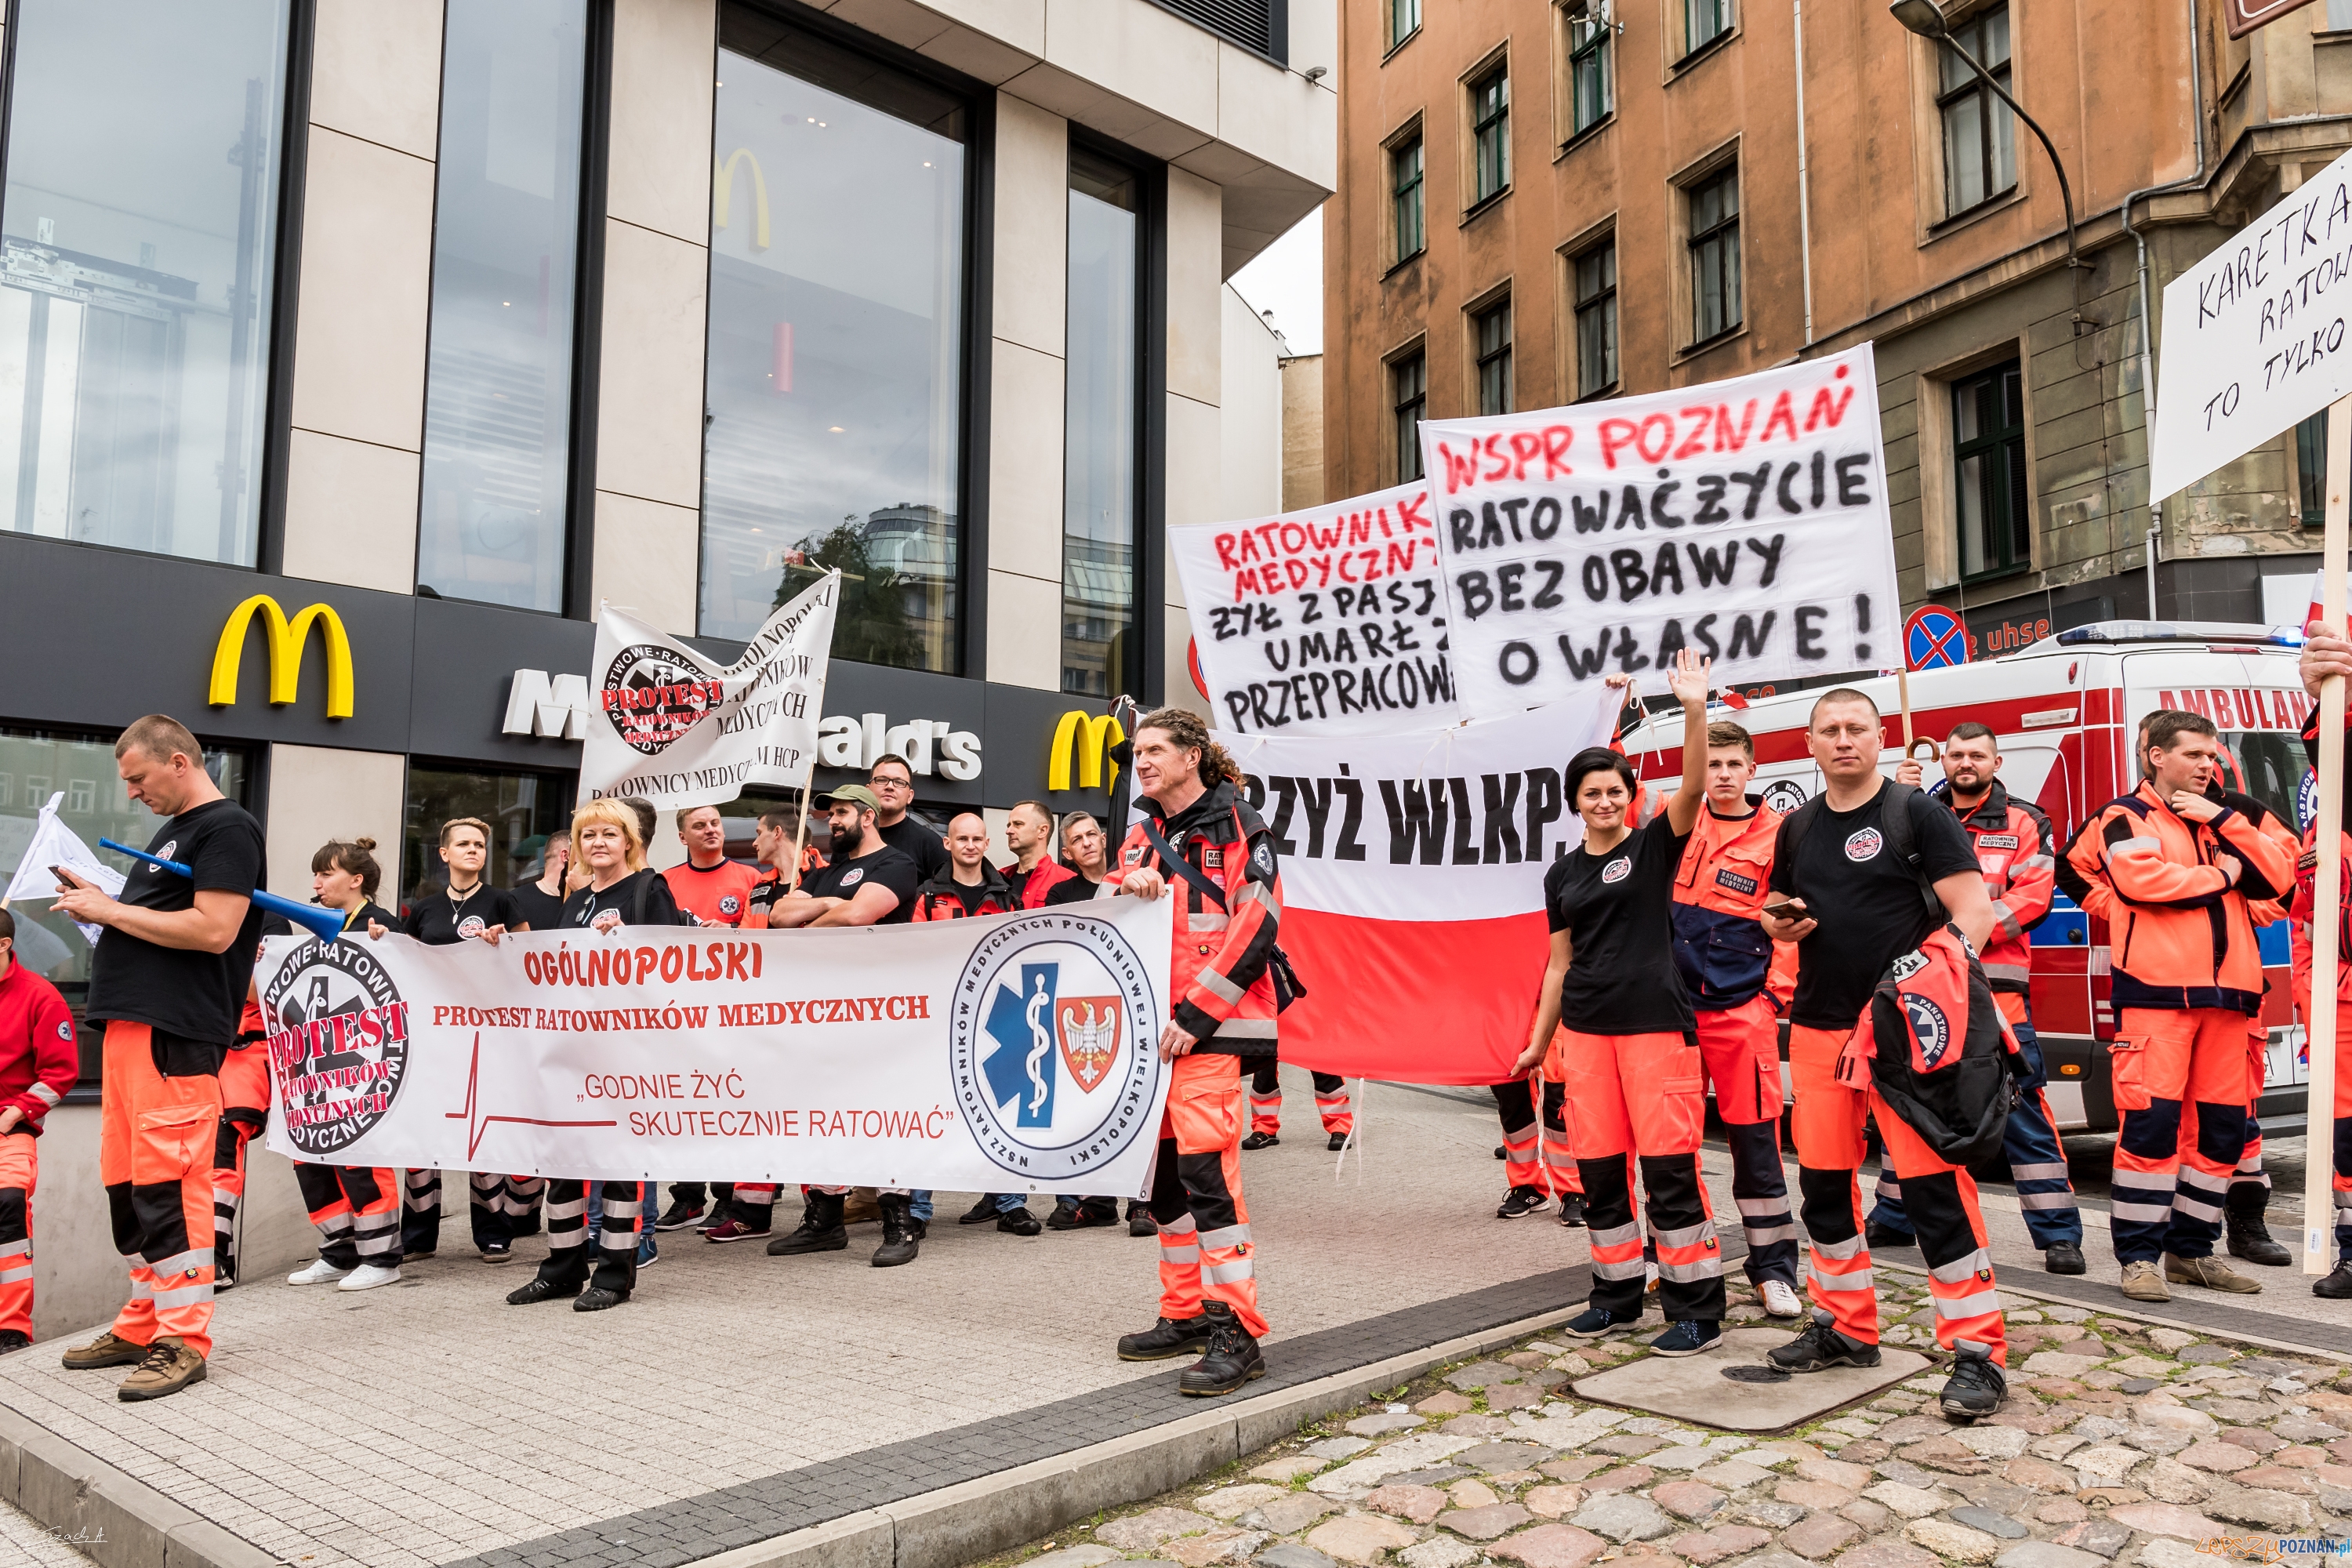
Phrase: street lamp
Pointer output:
(1926, 18)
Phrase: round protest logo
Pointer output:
(1784, 795)
(651, 697)
(337, 1043)
(1617, 870)
(2306, 799)
(470, 926)
(1864, 845)
(1054, 1049)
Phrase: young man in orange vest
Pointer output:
(1726, 962)
(2182, 869)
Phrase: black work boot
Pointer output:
(1231, 1360)
(2250, 1238)
(2336, 1285)
(1880, 1237)
(900, 1240)
(1820, 1347)
(821, 1229)
(1976, 1387)
(1168, 1337)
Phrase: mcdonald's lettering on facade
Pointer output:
(285, 640)
(1089, 739)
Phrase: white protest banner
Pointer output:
(1412, 869)
(1746, 518)
(676, 729)
(2253, 337)
(1007, 1053)
(1329, 621)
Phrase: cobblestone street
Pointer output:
(740, 1396)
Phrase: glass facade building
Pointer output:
(1100, 477)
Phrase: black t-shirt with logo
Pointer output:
(537, 909)
(1867, 900)
(887, 866)
(1618, 911)
(443, 919)
(180, 992)
(1077, 890)
(918, 843)
(622, 897)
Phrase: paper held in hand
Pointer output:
(2253, 337)
(671, 727)
(1745, 519)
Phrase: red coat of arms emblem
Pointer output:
(1088, 1028)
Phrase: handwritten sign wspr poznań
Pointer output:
(1326, 621)
(1746, 518)
(2253, 335)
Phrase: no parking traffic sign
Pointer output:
(1934, 639)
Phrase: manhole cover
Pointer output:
(1754, 1374)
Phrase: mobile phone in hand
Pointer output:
(1785, 910)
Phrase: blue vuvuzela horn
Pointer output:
(323, 923)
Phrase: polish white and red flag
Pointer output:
(1412, 867)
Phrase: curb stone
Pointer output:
(65, 1489)
(112, 1517)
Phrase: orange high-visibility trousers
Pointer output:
(20, 1166)
(1643, 1095)
(2179, 1084)
(1828, 1119)
(357, 1211)
(244, 1113)
(154, 1155)
(1740, 1047)
(1196, 1195)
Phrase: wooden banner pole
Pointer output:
(800, 834)
(2327, 913)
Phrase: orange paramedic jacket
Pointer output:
(1219, 970)
(2180, 935)
(1720, 888)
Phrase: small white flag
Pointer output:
(54, 844)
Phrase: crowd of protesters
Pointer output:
(1881, 925)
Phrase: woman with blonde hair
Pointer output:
(622, 890)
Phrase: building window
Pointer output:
(1715, 255)
(506, 225)
(1100, 478)
(1989, 453)
(2311, 463)
(834, 426)
(1409, 395)
(1704, 21)
(1405, 178)
(1980, 134)
(1490, 134)
(1587, 74)
(2340, 16)
(79, 770)
(140, 231)
(523, 809)
(1404, 20)
(1260, 25)
(1596, 320)
(1492, 329)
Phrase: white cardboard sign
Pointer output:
(2254, 337)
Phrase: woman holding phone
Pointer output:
(1628, 1047)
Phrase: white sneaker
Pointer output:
(1779, 1300)
(319, 1273)
(1650, 1278)
(368, 1276)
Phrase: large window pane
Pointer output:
(78, 771)
(836, 321)
(140, 221)
(1099, 472)
(498, 406)
(523, 809)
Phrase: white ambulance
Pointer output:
(2065, 709)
